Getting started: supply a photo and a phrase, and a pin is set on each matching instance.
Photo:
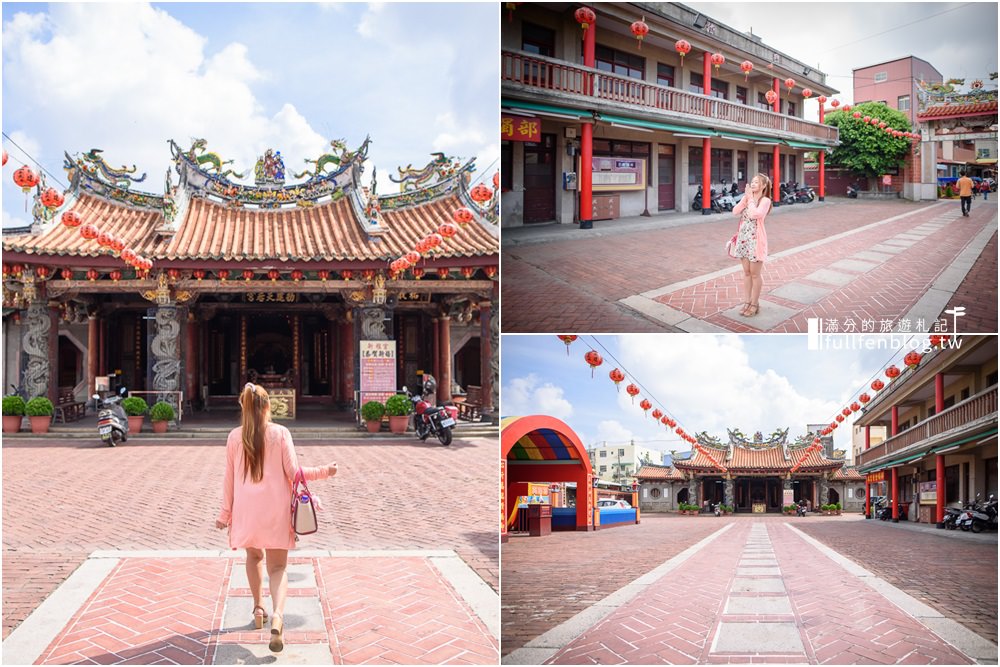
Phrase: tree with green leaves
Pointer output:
(866, 147)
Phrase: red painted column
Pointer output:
(436, 364)
(347, 353)
(895, 420)
(822, 161)
(939, 476)
(776, 176)
(868, 499)
(586, 178)
(938, 393)
(895, 495)
(444, 380)
(868, 437)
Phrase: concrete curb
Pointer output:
(483, 600)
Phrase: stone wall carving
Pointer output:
(35, 343)
(165, 350)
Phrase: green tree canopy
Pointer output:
(865, 148)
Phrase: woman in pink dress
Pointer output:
(256, 501)
(751, 239)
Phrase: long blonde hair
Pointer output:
(765, 185)
(256, 410)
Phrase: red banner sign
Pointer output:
(875, 477)
(519, 128)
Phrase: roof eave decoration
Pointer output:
(91, 173)
(442, 176)
(43, 217)
(366, 205)
(778, 437)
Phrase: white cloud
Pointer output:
(368, 26)
(525, 396)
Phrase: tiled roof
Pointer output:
(327, 232)
(848, 474)
(947, 110)
(747, 459)
(769, 458)
(700, 460)
(654, 472)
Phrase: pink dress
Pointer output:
(259, 514)
(751, 239)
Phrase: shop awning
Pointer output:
(653, 125)
(725, 134)
(985, 160)
(514, 106)
(806, 145)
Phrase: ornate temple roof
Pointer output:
(955, 110)
(739, 458)
(205, 216)
(848, 474)
(651, 472)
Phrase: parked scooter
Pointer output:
(696, 203)
(112, 422)
(716, 509)
(951, 514)
(805, 194)
(853, 189)
(787, 193)
(980, 516)
(729, 199)
(428, 419)
(800, 508)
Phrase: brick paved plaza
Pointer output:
(403, 570)
(838, 259)
(699, 590)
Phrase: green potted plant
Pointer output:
(13, 413)
(135, 407)
(837, 507)
(39, 411)
(372, 412)
(397, 407)
(161, 413)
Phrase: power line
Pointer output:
(31, 157)
(904, 25)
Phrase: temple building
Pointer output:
(284, 284)
(753, 475)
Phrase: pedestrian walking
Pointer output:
(965, 186)
(750, 245)
(261, 468)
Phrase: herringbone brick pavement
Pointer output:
(980, 288)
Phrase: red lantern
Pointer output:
(912, 359)
(72, 219)
(443, 273)
(683, 48)
(42, 272)
(840, 418)
(645, 405)
(496, 180)
(640, 29)
(771, 96)
(566, 339)
(17, 270)
(585, 16)
(247, 274)
(463, 215)
(174, 274)
(5, 158)
(821, 99)
(789, 83)
(297, 275)
(25, 178)
(412, 257)
(447, 230)
(422, 246)
(617, 377)
(826, 431)
(347, 274)
(857, 114)
(491, 271)
(89, 232)
(434, 240)
(807, 93)
(847, 107)
(274, 274)
(481, 194)
(199, 274)
(92, 275)
(665, 421)
(833, 426)
(593, 360)
(864, 398)
(834, 103)
(368, 274)
(104, 239)
(323, 275)
(846, 412)
(878, 385)
(718, 60)
(936, 341)
(892, 372)
(115, 275)
(223, 274)
(632, 391)
(417, 272)
(656, 414)
(747, 67)
(67, 274)
(855, 407)
(52, 198)
(467, 271)
(117, 244)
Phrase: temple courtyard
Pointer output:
(855, 264)
(751, 589)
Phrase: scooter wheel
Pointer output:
(977, 527)
(444, 435)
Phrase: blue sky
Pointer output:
(705, 382)
(126, 77)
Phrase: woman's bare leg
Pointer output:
(277, 562)
(758, 282)
(255, 575)
(747, 285)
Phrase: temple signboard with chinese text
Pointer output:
(378, 370)
(519, 128)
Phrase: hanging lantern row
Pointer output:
(882, 125)
(718, 60)
(747, 67)
(640, 29)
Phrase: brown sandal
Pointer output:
(259, 620)
(752, 310)
(277, 634)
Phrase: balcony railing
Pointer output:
(562, 77)
(983, 404)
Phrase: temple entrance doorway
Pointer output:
(834, 497)
(804, 490)
(764, 492)
(270, 350)
(682, 496)
(712, 490)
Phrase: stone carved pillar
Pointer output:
(824, 491)
(37, 368)
(165, 352)
(727, 492)
(693, 492)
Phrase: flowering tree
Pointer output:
(866, 148)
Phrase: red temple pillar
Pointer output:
(895, 420)
(822, 160)
(444, 381)
(895, 495)
(939, 477)
(868, 437)
(586, 179)
(776, 176)
(938, 393)
(93, 342)
(485, 355)
(436, 362)
(347, 361)
(868, 499)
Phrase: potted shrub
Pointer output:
(160, 414)
(398, 409)
(13, 413)
(837, 507)
(39, 411)
(372, 413)
(135, 407)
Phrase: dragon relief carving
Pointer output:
(163, 347)
(441, 166)
(35, 343)
(208, 161)
(337, 157)
(373, 324)
(94, 164)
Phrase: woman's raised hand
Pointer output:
(332, 469)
